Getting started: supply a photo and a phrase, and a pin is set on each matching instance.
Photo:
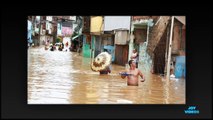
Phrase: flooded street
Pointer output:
(56, 77)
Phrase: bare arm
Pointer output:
(141, 75)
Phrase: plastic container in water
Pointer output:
(125, 74)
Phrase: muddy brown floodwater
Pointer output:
(56, 77)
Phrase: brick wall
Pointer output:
(156, 32)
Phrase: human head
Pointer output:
(132, 63)
(134, 50)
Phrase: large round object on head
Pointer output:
(101, 62)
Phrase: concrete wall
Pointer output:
(86, 48)
(93, 46)
(67, 31)
(145, 60)
(116, 22)
(96, 24)
(140, 35)
(29, 31)
(176, 40)
(59, 30)
(49, 18)
(121, 37)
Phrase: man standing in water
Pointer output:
(133, 73)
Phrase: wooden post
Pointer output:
(39, 37)
(170, 48)
(147, 37)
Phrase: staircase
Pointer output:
(156, 32)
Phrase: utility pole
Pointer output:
(54, 26)
(147, 37)
(170, 48)
(39, 35)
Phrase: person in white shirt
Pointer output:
(135, 57)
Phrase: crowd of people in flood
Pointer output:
(60, 46)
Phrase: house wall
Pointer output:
(140, 35)
(86, 47)
(66, 31)
(96, 24)
(59, 29)
(116, 22)
(121, 37)
(121, 54)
